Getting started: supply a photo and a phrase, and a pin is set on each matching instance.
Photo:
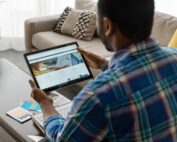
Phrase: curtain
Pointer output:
(13, 13)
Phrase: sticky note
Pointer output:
(32, 106)
(19, 114)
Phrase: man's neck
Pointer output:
(120, 43)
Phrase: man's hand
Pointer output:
(94, 61)
(39, 95)
(45, 101)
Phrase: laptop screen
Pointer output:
(58, 67)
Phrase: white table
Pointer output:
(14, 88)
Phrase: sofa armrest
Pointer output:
(36, 25)
(164, 27)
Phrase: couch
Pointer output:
(39, 34)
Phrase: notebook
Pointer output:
(19, 114)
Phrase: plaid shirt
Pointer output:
(134, 100)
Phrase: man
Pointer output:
(135, 98)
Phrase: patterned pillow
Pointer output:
(80, 24)
(87, 4)
(61, 20)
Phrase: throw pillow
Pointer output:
(61, 20)
(80, 24)
(173, 41)
(87, 4)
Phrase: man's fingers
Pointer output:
(32, 95)
(79, 49)
(82, 51)
(32, 84)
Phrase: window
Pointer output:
(167, 6)
(13, 13)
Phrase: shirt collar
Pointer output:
(142, 47)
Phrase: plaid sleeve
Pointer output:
(86, 121)
(53, 125)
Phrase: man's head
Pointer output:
(124, 21)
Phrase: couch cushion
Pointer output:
(48, 39)
(80, 24)
(164, 27)
(58, 25)
(87, 5)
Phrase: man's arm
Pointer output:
(45, 101)
(86, 121)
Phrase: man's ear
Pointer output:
(108, 26)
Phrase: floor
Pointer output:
(16, 58)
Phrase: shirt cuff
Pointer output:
(53, 120)
(104, 66)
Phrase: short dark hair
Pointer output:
(134, 18)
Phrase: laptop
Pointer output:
(57, 67)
